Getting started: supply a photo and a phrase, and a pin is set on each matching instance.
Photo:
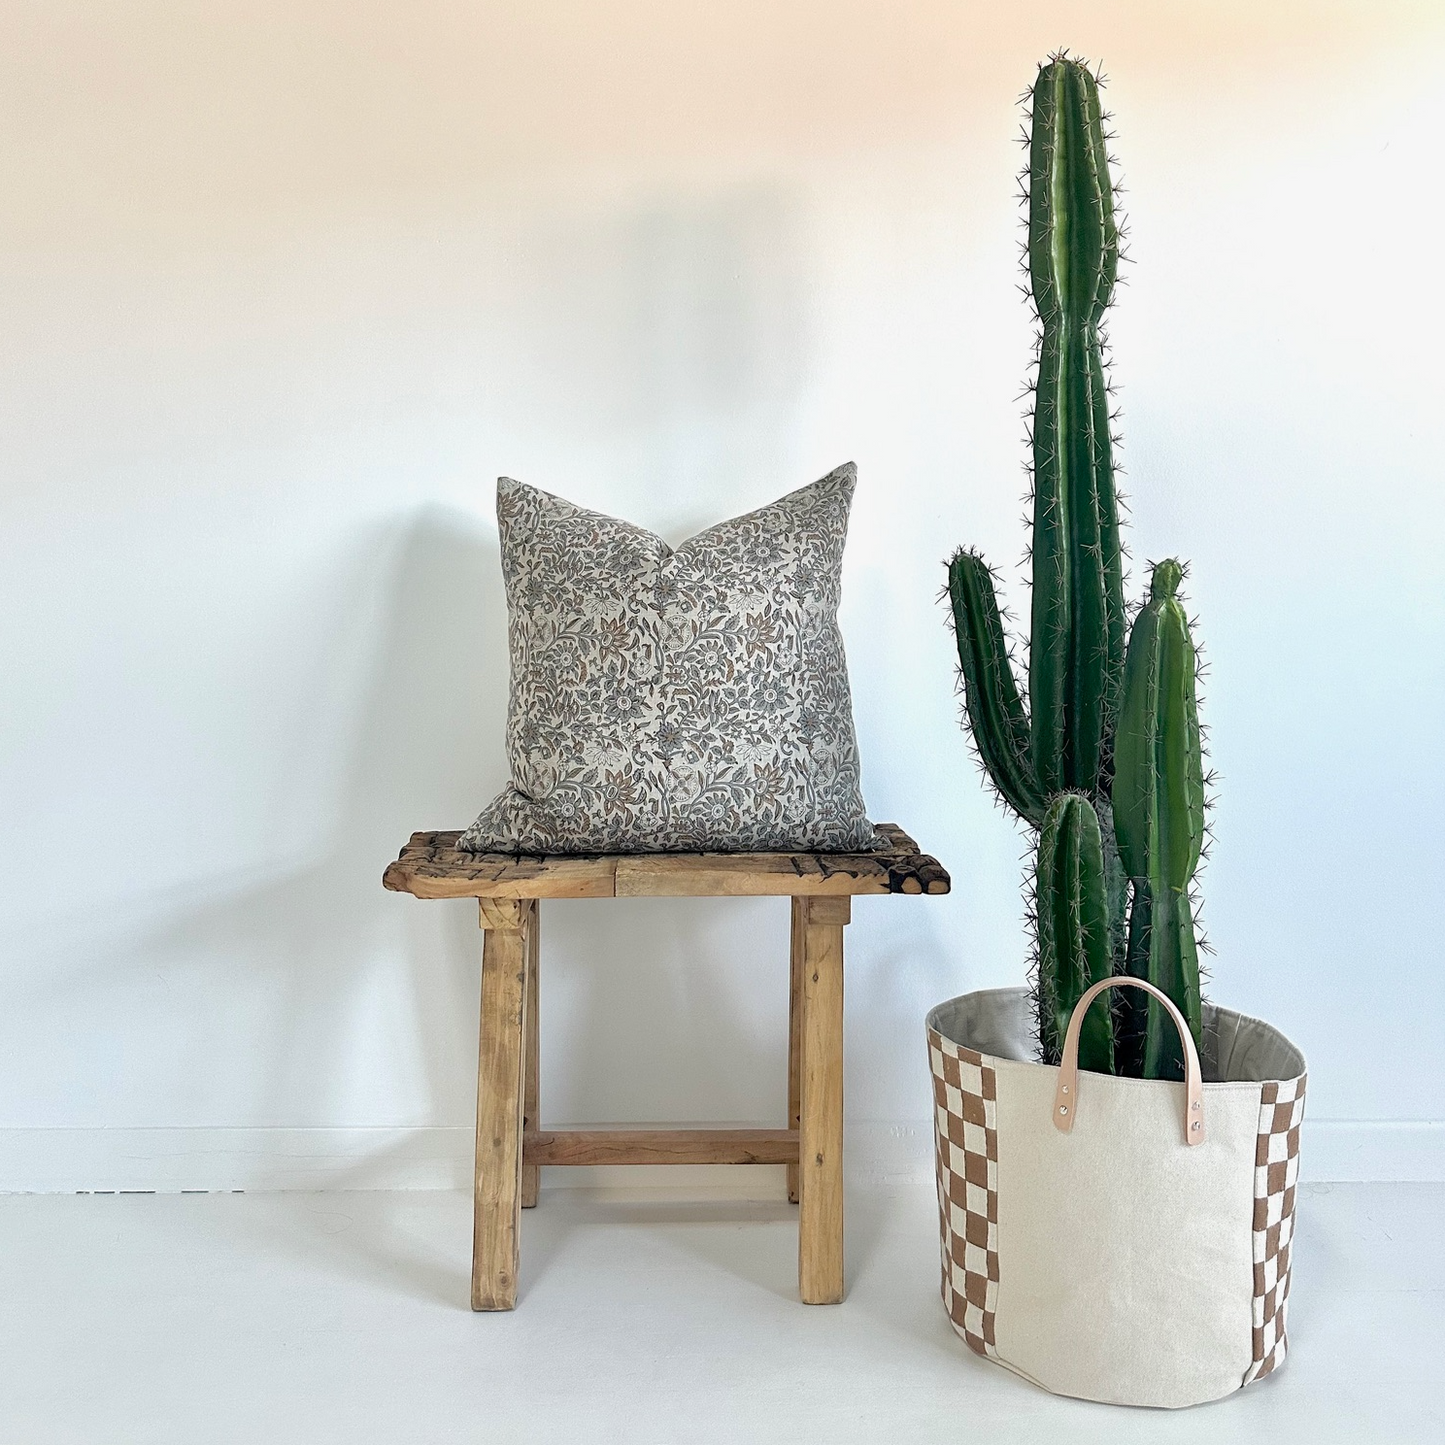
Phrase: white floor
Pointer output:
(343, 1317)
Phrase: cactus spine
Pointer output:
(1111, 891)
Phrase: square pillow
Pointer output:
(676, 700)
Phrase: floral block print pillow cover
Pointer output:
(688, 699)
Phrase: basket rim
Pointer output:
(1261, 1031)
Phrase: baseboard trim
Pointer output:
(170, 1161)
(1335, 1151)
(174, 1160)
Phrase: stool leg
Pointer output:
(531, 1115)
(795, 1030)
(820, 1136)
(497, 1198)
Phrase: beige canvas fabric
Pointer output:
(1087, 1268)
(1115, 1263)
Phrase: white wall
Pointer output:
(287, 285)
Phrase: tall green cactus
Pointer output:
(1114, 863)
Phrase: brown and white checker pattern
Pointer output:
(965, 1094)
(1276, 1179)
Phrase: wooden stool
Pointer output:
(510, 1145)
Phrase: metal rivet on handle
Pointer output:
(1064, 1090)
(1195, 1126)
(1063, 1108)
(1195, 1106)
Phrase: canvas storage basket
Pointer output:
(1107, 1258)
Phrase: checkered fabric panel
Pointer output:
(1276, 1177)
(965, 1094)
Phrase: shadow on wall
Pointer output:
(322, 942)
(360, 1006)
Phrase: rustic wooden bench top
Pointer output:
(431, 866)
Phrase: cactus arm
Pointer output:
(1116, 892)
(1073, 931)
(1135, 791)
(1174, 967)
(1077, 612)
(1163, 951)
(1131, 1008)
(1158, 796)
(995, 712)
(1158, 790)
(1182, 760)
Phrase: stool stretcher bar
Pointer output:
(660, 1146)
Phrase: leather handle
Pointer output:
(1066, 1093)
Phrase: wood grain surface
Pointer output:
(431, 866)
